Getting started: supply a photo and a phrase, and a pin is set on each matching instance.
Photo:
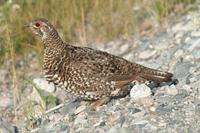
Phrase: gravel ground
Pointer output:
(163, 109)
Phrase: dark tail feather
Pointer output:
(156, 76)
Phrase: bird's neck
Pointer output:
(52, 40)
(53, 49)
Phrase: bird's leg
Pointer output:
(95, 105)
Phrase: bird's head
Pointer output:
(40, 27)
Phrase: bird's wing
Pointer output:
(102, 64)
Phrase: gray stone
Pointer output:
(182, 69)
(70, 108)
(43, 84)
(181, 95)
(196, 53)
(163, 109)
(6, 127)
(133, 110)
(80, 119)
(119, 130)
(194, 45)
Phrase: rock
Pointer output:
(71, 108)
(56, 117)
(5, 102)
(147, 54)
(80, 109)
(187, 39)
(182, 69)
(194, 44)
(181, 95)
(133, 110)
(123, 48)
(140, 91)
(153, 109)
(146, 101)
(6, 127)
(100, 123)
(49, 127)
(43, 84)
(179, 53)
(187, 88)
(179, 35)
(195, 33)
(115, 117)
(141, 122)
(196, 53)
(170, 90)
(54, 126)
(163, 108)
(139, 114)
(119, 130)
(80, 119)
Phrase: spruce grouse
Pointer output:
(90, 74)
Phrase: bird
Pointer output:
(88, 73)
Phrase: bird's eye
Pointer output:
(37, 24)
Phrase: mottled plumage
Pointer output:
(88, 73)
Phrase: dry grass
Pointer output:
(13, 68)
(82, 21)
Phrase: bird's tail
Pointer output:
(156, 76)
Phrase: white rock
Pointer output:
(187, 88)
(80, 109)
(153, 109)
(147, 54)
(43, 84)
(140, 122)
(195, 34)
(187, 39)
(140, 91)
(178, 53)
(123, 48)
(179, 35)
